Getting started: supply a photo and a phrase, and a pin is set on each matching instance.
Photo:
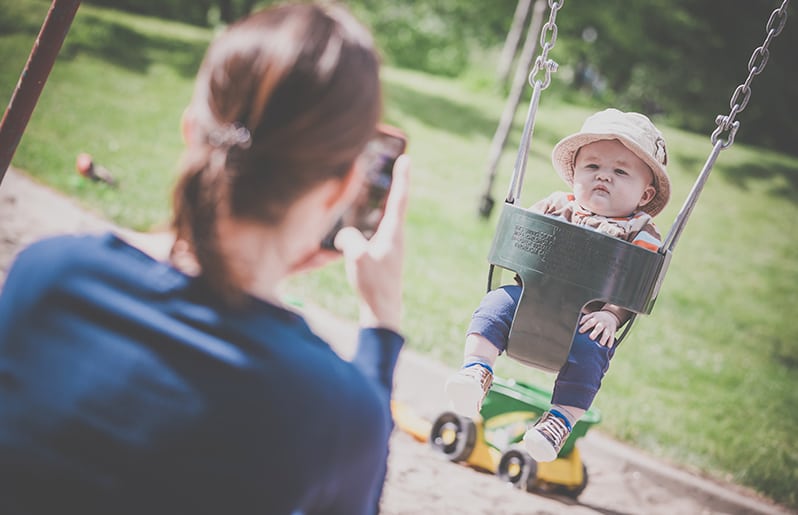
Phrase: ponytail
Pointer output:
(285, 99)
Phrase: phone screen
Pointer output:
(378, 159)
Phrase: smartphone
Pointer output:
(378, 159)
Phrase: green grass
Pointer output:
(708, 380)
(116, 91)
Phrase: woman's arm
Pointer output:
(376, 356)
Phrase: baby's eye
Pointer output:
(620, 172)
(591, 166)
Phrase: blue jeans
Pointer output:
(578, 381)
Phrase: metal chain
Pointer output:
(543, 62)
(738, 102)
(742, 94)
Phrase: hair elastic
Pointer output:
(231, 135)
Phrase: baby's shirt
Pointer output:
(637, 228)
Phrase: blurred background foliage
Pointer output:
(678, 59)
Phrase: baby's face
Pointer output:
(610, 180)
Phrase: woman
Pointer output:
(136, 380)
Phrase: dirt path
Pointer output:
(420, 480)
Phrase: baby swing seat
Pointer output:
(562, 267)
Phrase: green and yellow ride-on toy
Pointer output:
(494, 443)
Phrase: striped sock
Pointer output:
(470, 361)
(569, 414)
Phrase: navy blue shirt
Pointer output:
(125, 388)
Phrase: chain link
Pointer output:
(547, 43)
(741, 96)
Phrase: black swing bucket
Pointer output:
(562, 267)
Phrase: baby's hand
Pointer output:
(603, 325)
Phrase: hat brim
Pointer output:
(564, 153)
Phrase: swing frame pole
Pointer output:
(546, 65)
(33, 78)
(512, 40)
(520, 79)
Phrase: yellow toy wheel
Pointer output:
(518, 468)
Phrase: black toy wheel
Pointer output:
(454, 436)
(518, 468)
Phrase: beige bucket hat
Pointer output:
(636, 132)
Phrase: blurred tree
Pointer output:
(684, 59)
(189, 11)
(196, 12)
(678, 58)
(231, 10)
(434, 36)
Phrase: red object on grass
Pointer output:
(84, 165)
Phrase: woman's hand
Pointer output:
(602, 326)
(374, 267)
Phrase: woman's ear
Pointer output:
(187, 125)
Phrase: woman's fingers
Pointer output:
(392, 224)
(350, 241)
(374, 267)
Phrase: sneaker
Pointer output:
(467, 388)
(544, 440)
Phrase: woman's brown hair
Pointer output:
(285, 99)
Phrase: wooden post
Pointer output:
(511, 42)
(511, 106)
(31, 82)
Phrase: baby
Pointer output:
(616, 168)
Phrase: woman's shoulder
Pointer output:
(55, 252)
(67, 241)
(45, 267)
(61, 259)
